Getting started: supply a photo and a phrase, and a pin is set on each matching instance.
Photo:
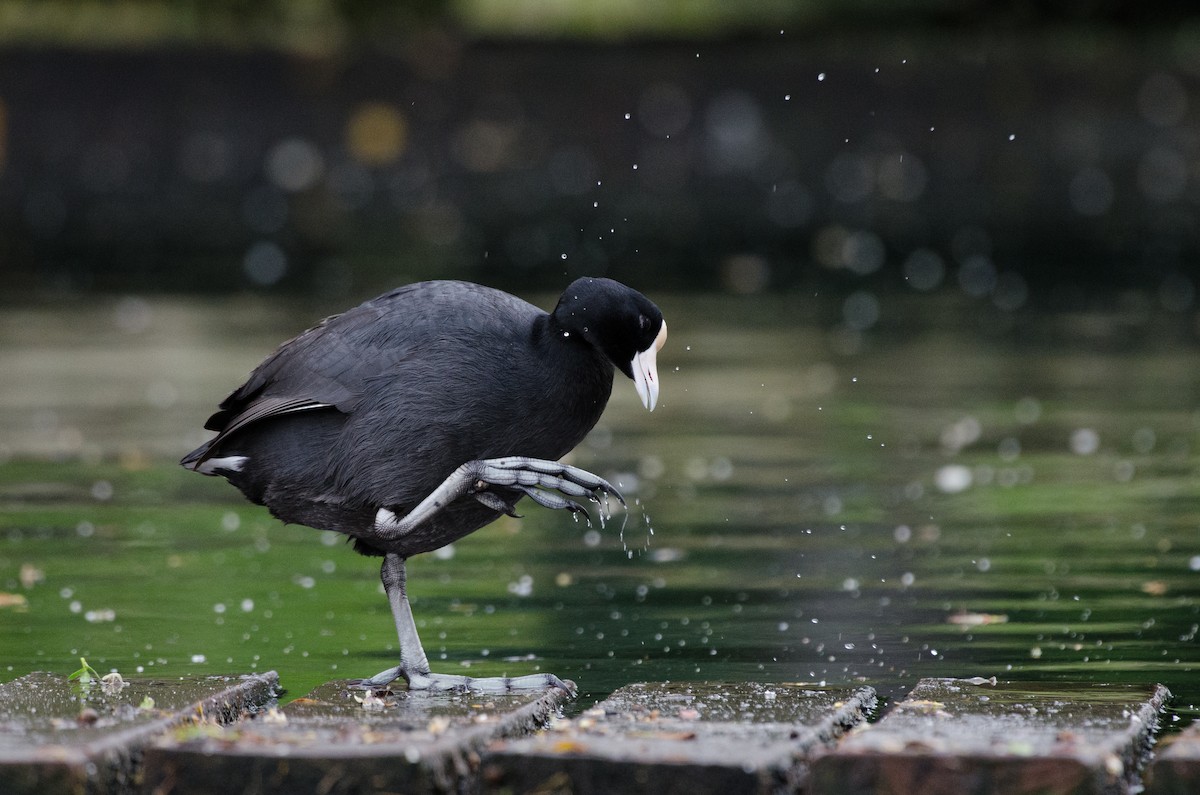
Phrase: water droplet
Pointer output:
(1084, 441)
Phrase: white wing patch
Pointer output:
(230, 463)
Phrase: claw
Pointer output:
(607, 488)
(554, 502)
(378, 681)
(496, 503)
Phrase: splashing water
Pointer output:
(645, 521)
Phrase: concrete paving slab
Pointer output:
(681, 738)
(1175, 769)
(58, 736)
(953, 736)
(338, 741)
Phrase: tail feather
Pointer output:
(194, 459)
(206, 460)
(203, 460)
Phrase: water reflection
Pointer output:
(950, 495)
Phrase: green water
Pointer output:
(958, 491)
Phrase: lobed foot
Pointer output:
(539, 478)
(453, 682)
(536, 477)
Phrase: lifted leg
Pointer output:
(536, 477)
(414, 665)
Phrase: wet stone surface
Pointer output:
(681, 737)
(338, 740)
(58, 736)
(226, 735)
(1176, 766)
(954, 736)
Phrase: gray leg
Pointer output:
(536, 477)
(414, 665)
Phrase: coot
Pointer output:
(426, 413)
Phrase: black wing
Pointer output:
(325, 367)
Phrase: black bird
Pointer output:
(424, 414)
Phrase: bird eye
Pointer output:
(643, 322)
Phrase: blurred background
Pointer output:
(1007, 150)
(929, 406)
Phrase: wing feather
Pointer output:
(370, 347)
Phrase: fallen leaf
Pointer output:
(569, 747)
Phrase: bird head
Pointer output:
(622, 323)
